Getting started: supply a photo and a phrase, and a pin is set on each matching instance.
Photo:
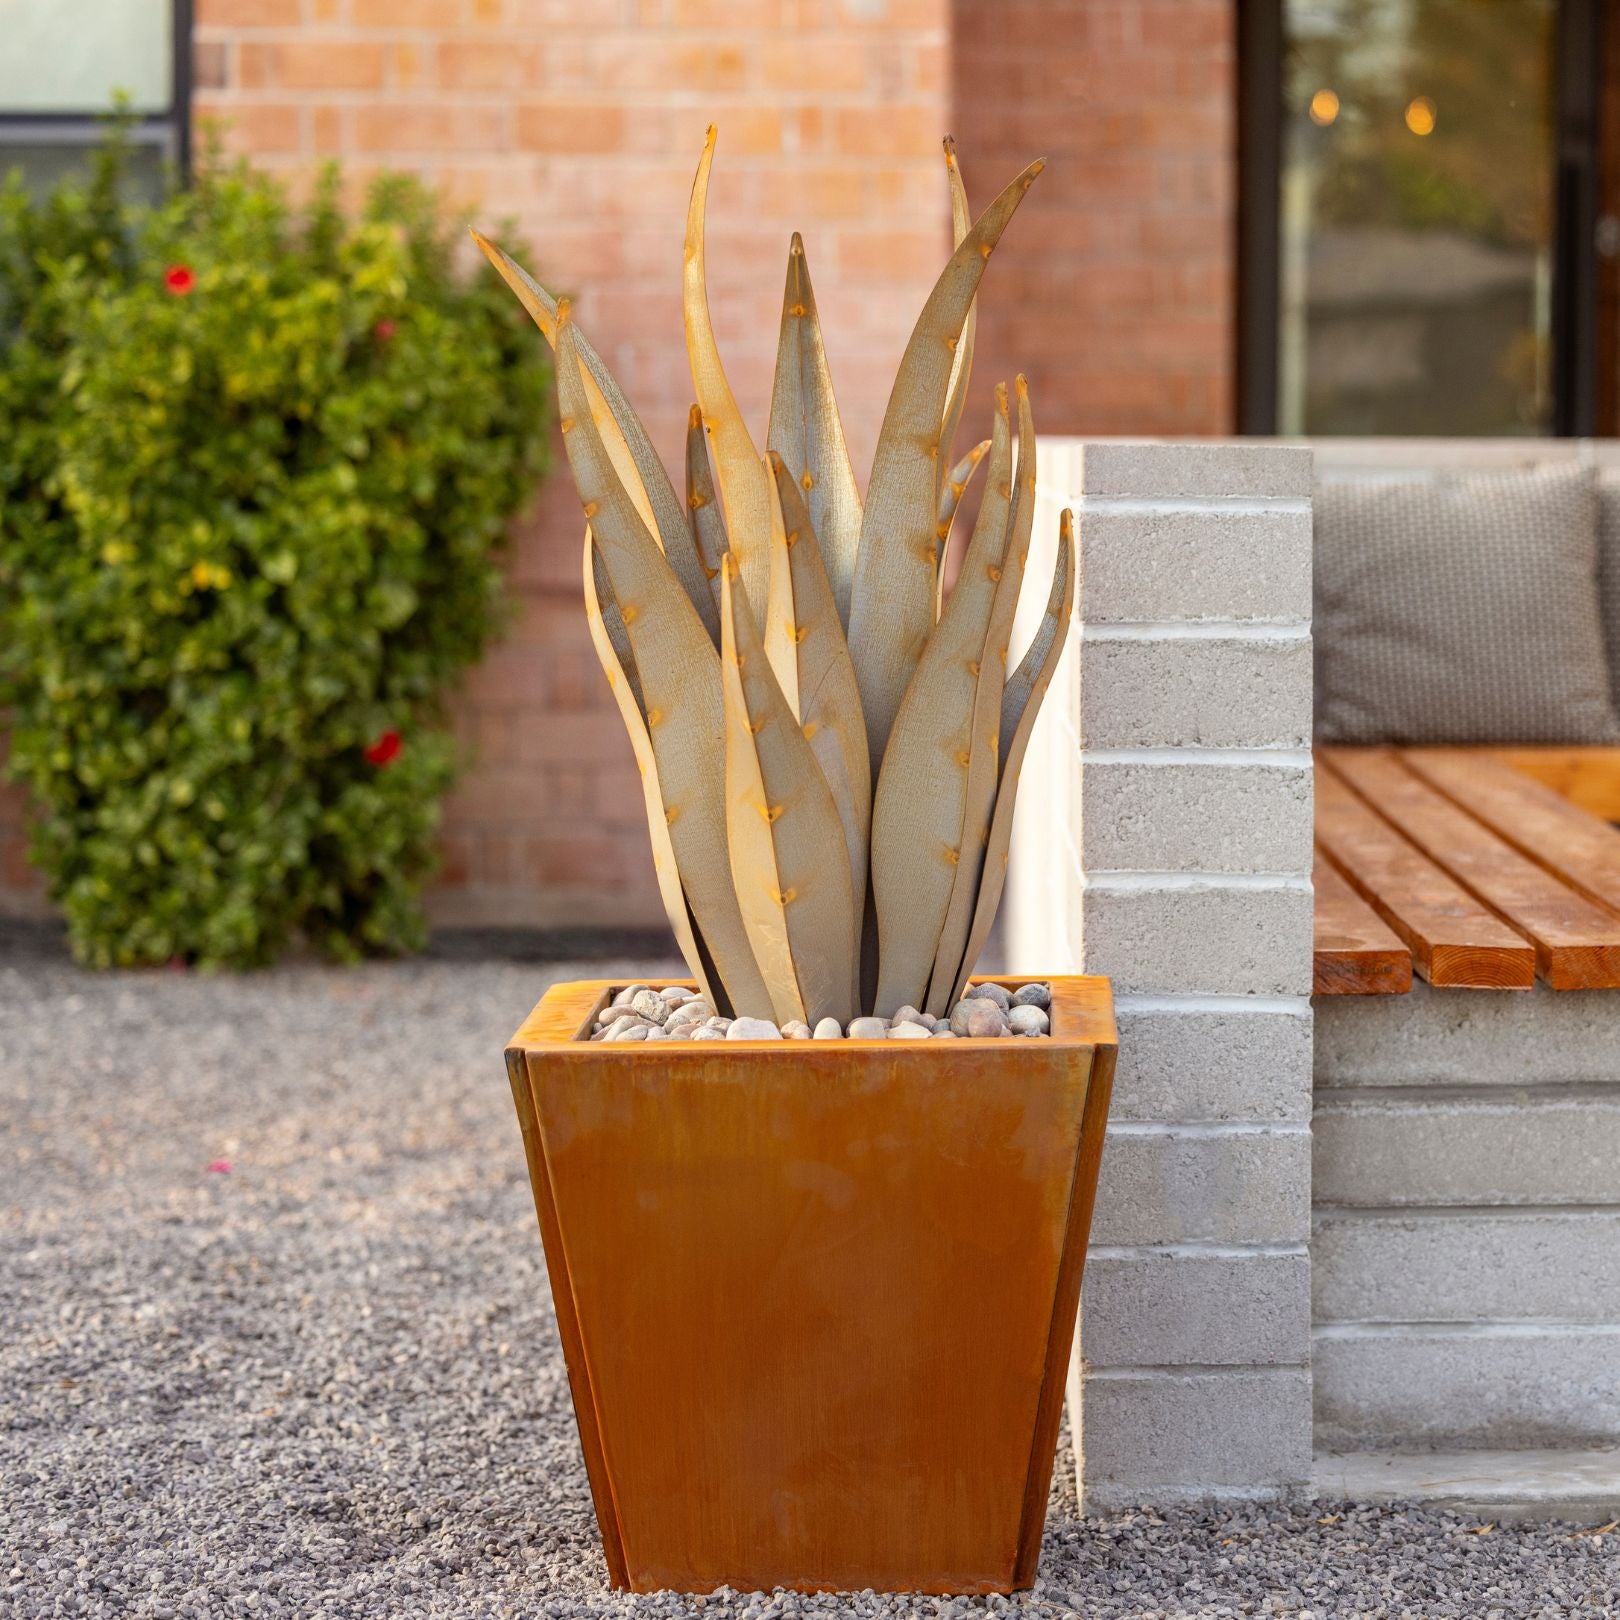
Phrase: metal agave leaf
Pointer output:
(773, 623)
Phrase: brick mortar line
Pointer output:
(1130, 881)
(1164, 754)
(1347, 1101)
(1212, 1129)
(1359, 1214)
(1182, 1001)
(1421, 1091)
(1199, 505)
(1150, 1373)
(1198, 1251)
(1479, 1328)
(1173, 630)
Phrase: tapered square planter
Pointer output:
(816, 1297)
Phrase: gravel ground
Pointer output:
(275, 1340)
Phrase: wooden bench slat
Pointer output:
(1579, 849)
(1454, 940)
(1356, 952)
(1577, 942)
(1588, 777)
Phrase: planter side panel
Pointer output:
(822, 1364)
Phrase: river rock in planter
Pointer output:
(868, 1029)
(1028, 1019)
(795, 1029)
(753, 1029)
(704, 1033)
(1033, 995)
(628, 994)
(978, 1018)
(908, 1030)
(828, 1029)
(651, 1006)
(988, 992)
(906, 1015)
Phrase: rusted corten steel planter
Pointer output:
(816, 1297)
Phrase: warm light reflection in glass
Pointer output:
(1324, 107)
(1420, 116)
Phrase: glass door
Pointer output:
(1425, 215)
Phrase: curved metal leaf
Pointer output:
(921, 801)
(829, 699)
(892, 611)
(638, 465)
(950, 499)
(781, 618)
(962, 360)
(708, 526)
(787, 844)
(743, 486)
(608, 650)
(985, 747)
(606, 605)
(806, 431)
(680, 680)
(1050, 639)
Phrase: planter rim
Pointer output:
(1082, 1014)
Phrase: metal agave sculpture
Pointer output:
(851, 855)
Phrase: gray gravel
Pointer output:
(326, 1382)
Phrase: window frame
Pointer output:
(1580, 374)
(168, 131)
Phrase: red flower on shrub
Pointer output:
(384, 331)
(385, 750)
(179, 279)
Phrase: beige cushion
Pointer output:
(1461, 607)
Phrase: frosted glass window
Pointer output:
(70, 56)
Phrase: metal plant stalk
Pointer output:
(851, 854)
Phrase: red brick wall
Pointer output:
(1113, 290)
(583, 119)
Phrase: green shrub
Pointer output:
(256, 464)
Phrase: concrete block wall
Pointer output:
(1164, 839)
(1467, 1223)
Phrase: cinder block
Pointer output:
(1154, 1309)
(1193, 470)
(1223, 1063)
(1169, 1437)
(1194, 691)
(1521, 1150)
(1163, 563)
(1171, 816)
(1200, 938)
(1407, 1388)
(1462, 1037)
(1204, 1185)
(1453, 1266)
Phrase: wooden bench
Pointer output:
(1484, 868)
